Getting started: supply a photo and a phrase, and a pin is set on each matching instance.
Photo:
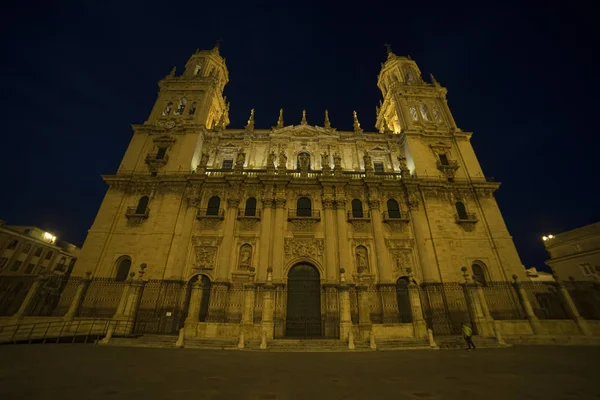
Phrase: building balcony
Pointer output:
(304, 214)
(210, 213)
(359, 215)
(154, 162)
(468, 218)
(134, 212)
(396, 216)
(249, 213)
(450, 165)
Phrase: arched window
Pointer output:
(13, 244)
(123, 267)
(142, 205)
(38, 252)
(393, 208)
(193, 108)
(424, 111)
(250, 210)
(160, 154)
(26, 248)
(181, 107)
(303, 207)
(48, 255)
(303, 156)
(479, 273)
(413, 114)
(205, 298)
(409, 75)
(213, 206)
(403, 298)
(168, 109)
(357, 209)
(461, 210)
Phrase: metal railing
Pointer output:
(359, 214)
(210, 213)
(396, 216)
(249, 213)
(467, 217)
(304, 214)
(450, 164)
(76, 331)
(134, 212)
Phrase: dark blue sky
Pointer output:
(521, 78)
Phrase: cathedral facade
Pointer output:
(295, 216)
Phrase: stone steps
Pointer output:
(143, 342)
(402, 344)
(306, 345)
(457, 342)
(211, 343)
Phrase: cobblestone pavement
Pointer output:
(91, 372)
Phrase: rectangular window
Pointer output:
(29, 268)
(16, 265)
(586, 268)
(161, 153)
(444, 159)
(3, 262)
(378, 167)
(227, 164)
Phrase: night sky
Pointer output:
(76, 76)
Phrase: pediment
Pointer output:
(304, 131)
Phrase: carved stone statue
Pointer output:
(402, 161)
(325, 161)
(203, 160)
(337, 161)
(361, 259)
(368, 162)
(241, 158)
(245, 255)
(271, 160)
(304, 162)
(282, 160)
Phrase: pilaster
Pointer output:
(78, 298)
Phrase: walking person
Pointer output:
(468, 335)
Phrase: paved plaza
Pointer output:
(72, 371)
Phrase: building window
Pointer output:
(479, 273)
(413, 114)
(409, 75)
(26, 249)
(168, 109)
(378, 167)
(403, 299)
(461, 210)
(161, 153)
(357, 209)
(13, 244)
(393, 208)
(142, 205)
(303, 207)
(250, 210)
(424, 112)
(3, 261)
(228, 163)
(587, 269)
(61, 264)
(193, 108)
(213, 206)
(181, 107)
(48, 255)
(38, 252)
(443, 159)
(123, 267)
(29, 269)
(16, 265)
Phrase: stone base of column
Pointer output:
(420, 329)
(345, 328)
(364, 330)
(181, 338)
(583, 326)
(536, 326)
(484, 326)
(268, 328)
(190, 327)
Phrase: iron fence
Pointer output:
(13, 289)
(102, 298)
(586, 296)
(503, 301)
(67, 296)
(444, 307)
(163, 307)
(546, 300)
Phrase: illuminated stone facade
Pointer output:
(194, 197)
(575, 254)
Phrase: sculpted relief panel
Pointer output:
(304, 248)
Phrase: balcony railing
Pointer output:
(389, 176)
(210, 213)
(396, 216)
(468, 218)
(249, 213)
(451, 164)
(359, 215)
(304, 214)
(133, 212)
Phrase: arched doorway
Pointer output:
(303, 316)
(403, 298)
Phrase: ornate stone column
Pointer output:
(418, 320)
(364, 316)
(228, 234)
(429, 267)
(79, 296)
(384, 266)
(248, 313)
(342, 235)
(484, 326)
(267, 324)
(193, 313)
(133, 296)
(278, 235)
(345, 317)
(581, 323)
(265, 238)
(31, 296)
(331, 265)
(536, 327)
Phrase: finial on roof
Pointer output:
(303, 122)
(327, 122)
(280, 119)
(433, 80)
(388, 48)
(357, 128)
(172, 73)
(250, 125)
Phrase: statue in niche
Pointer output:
(304, 161)
(337, 161)
(282, 160)
(402, 161)
(245, 256)
(362, 263)
(271, 160)
(204, 160)
(368, 161)
(241, 158)
(325, 161)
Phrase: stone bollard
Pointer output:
(241, 341)
(432, 343)
(109, 333)
(351, 340)
(180, 338)
(263, 340)
(372, 344)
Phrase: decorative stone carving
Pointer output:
(362, 259)
(359, 225)
(399, 243)
(248, 224)
(282, 161)
(303, 225)
(205, 250)
(403, 260)
(303, 247)
(209, 223)
(245, 257)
